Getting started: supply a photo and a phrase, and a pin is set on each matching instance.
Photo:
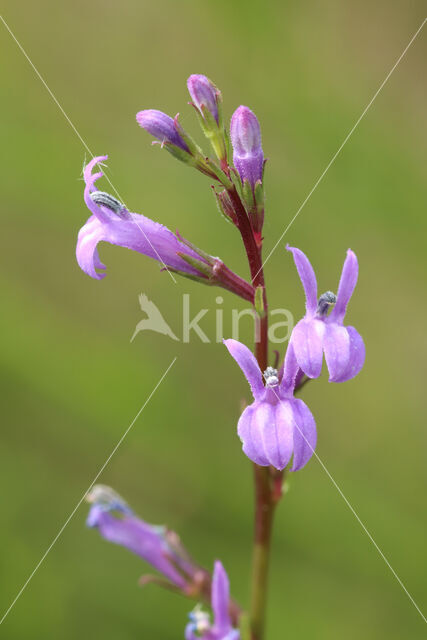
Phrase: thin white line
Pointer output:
(357, 518)
(343, 143)
(24, 586)
(78, 134)
(370, 537)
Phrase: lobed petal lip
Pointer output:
(304, 435)
(307, 342)
(356, 357)
(281, 435)
(336, 345)
(248, 432)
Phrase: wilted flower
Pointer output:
(204, 94)
(162, 127)
(276, 425)
(158, 546)
(200, 627)
(245, 136)
(319, 333)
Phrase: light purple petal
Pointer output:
(305, 435)
(290, 371)
(356, 357)
(346, 287)
(250, 434)
(307, 277)
(134, 232)
(307, 342)
(90, 178)
(336, 344)
(220, 597)
(139, 537)
(248, 364)
(278, 435)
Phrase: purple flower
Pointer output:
(199, 627)
(245, 135)
(112, 222)
(162, 127)
(276, 425)
(319, 333)
(158, 546)
(204, 94)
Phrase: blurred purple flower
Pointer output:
(319, 333)
(157, 545)
(199, 627)
(112, 222)
(162, 127)
(203, 94)
(276, 425)
(245, 135)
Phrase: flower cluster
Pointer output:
(277, 430)
(278, 425)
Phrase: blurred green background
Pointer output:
(72, 382)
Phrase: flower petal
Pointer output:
(90, 179)
(248, 364)
(346, 287)
(139, 537)
(356, 356)
(307, 277)
(290, 371)
(249, 432)
(134, 232)
(278, 435)
(307, 342)
(336, 344)
(305, 435)
(220, 597)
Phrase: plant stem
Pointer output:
(268, 482)
(264, 513)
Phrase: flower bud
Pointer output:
(245, 135)
(162, 127)
(204, 94)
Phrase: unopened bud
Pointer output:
(204, 94)
(245, 135)
(162, 127)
